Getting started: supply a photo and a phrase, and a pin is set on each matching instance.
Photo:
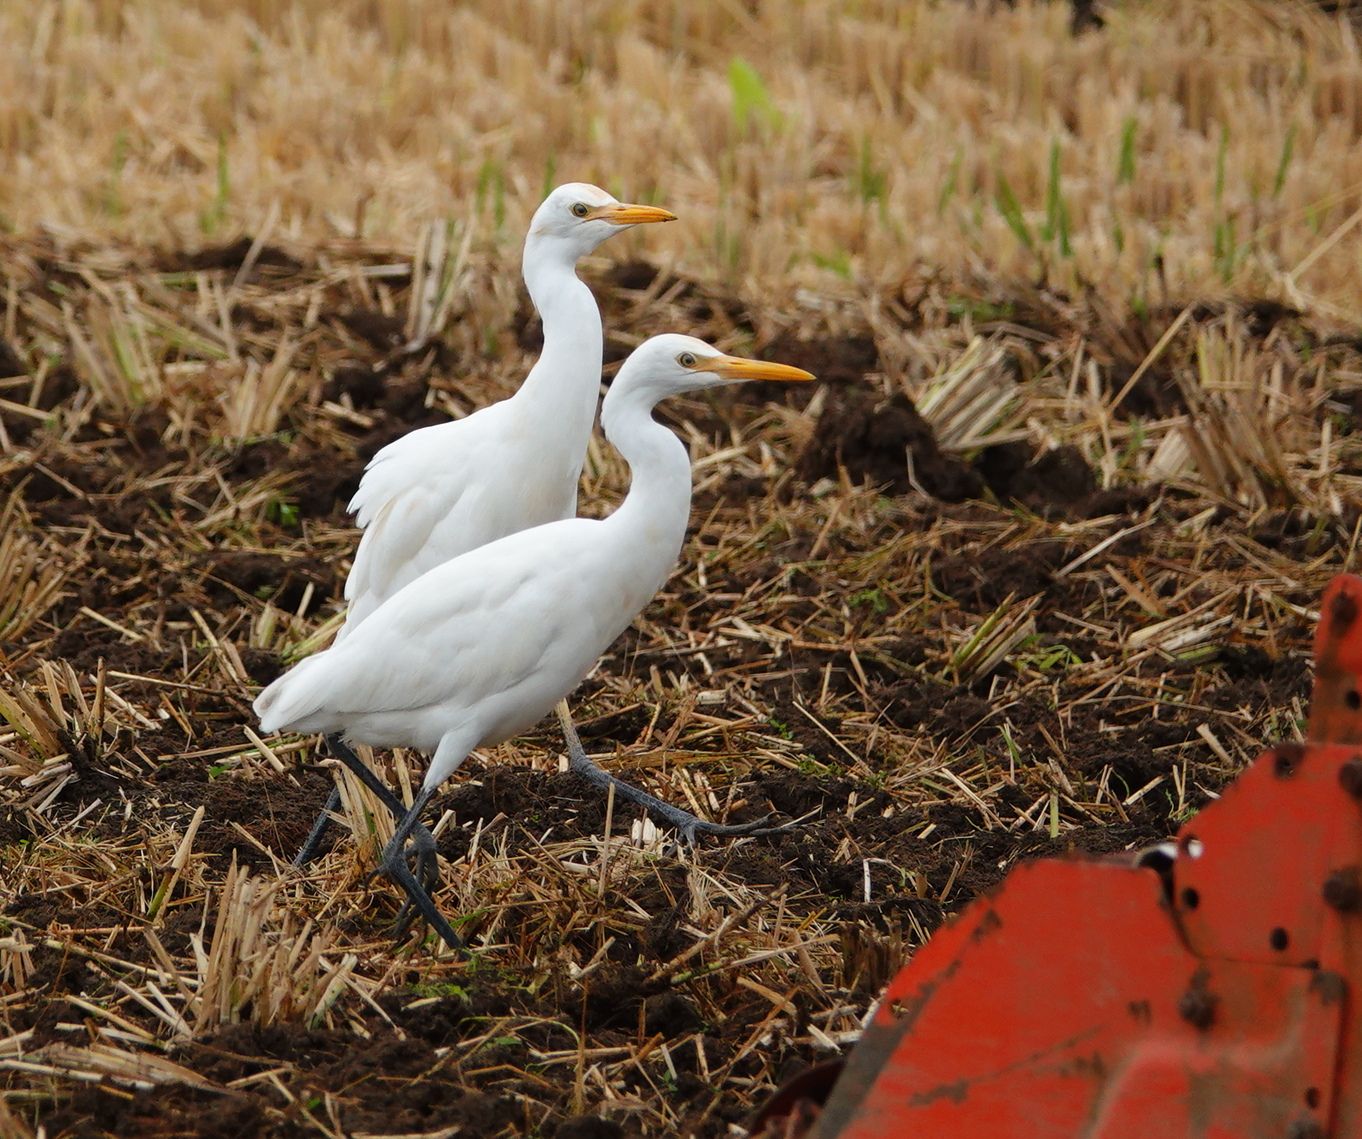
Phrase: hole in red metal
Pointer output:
(1312, 1098)
(1279, 939)
(1284, 767)
(1352, 699)
(1191, 898)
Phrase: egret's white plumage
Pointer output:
(480, 648)
(440, 491)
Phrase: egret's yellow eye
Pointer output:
(686, 359)
(580, 210)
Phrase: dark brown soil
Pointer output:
(874, 439)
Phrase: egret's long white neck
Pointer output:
(657, 507)
(563, 384)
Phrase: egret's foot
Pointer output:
(688, 825)
(411, 840)
(396, 863)
(422, 859)
(423, 842)
(422, 846)
(423, 863)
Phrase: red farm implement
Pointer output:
(1208, 988)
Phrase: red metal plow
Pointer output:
(1209, 989)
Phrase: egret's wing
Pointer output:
(395, 535)
(498, 634)
(412, 486)
(441, 492)
(411, 460)
(472, 627)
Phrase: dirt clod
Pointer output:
(886, 443)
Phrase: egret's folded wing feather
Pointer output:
(427, 498)
(395, 535)
(476, 625)
(393, 467)
(446, 453)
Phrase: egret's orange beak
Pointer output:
(622, 213)
(740, 368)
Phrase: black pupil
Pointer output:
(579, 210)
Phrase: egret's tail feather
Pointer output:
(293, 697)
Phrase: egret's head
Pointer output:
(577, 217)
(671, 364)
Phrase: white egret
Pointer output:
(441, 491)
(480, 648)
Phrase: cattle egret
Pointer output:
(441, 491)
(481, 647)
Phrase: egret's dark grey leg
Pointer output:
(394, 864)
(319, 828)
(690, 826)
(423, 842)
